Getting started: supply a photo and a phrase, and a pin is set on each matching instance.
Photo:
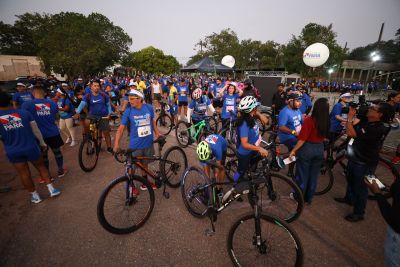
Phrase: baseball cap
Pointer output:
(59, 91)
(132, 83)
(21, 84)
(64, 84)
(347, 95)
(134, 92)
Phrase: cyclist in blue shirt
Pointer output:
(214, 146)
(217, 94)
(338, 118)
(18, 132)
(306, 103)
(140, 117)
(44, 112)
(229, 99)
(183, 92)
(248, 136)
(21, 96)
(99, 106)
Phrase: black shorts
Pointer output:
(54, 141)
(157, 97)
(218, 103)
(182, 103)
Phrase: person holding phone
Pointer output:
(366, 141)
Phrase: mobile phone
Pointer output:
(371, 178)
(289, 160)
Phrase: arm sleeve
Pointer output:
(243, 130)
(81, 106)
(125, 117)
(37, 133)
(282, 118)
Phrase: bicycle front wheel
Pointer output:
(173, 164)
(276, 243)
(88, 154)
(196, 194)
(164, 124)
(182, 134)
(284, 198)
(123, 207)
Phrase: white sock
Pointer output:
(50, 187)
(35, 194)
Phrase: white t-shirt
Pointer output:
(156, 88)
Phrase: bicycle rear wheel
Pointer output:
(88, 154)
(284, 199)
(182, 134)
(279, 244)
(195, 194)
(122, 207)
(213, 125)
(173, 164)
(325, 179)
(164, 124)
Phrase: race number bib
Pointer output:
(144, 131)
(298, 129)
(230, 108)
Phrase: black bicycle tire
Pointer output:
(168, 118)
(165, 158)
(181, 144)
(80, 155)
(297, 192)
(330, 182)
(185, 201)
(100, 206)
(392, 171)
(270, 219)
(212, 121)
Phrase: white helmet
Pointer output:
(197, 93)
(248, 103)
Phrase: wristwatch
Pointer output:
(293, 132)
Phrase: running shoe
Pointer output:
(144, 188)
(36, 199)
(55, 192)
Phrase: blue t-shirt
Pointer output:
(62, 102)
(217, 90)
(16, 132)
(305, 103)
(336, 126)
(87, 90)
(291, 119)
(252, 134)
(98, 105)
(229, 104)
(44, 113)
(23, 97)
(217, 145)
(141, 126)
(200, 107)
(183, 92)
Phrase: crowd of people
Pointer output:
(41, 116)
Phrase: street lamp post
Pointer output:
(374, 57)
(330, 71)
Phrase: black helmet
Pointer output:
(294, 95)
(248, 82)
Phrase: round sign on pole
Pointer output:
(228, 61)
(315, 55)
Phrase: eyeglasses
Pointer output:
(134, 98)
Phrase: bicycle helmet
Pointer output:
(197, 94)
(248, 103)
(203, 150)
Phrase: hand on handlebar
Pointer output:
(263, 152)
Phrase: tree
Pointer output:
(312, 33)
(69, 43)
(388, 50)
(151, 60)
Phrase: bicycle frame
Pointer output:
(200, 125)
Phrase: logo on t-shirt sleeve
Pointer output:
(11, 121)
(42, 109)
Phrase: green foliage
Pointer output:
(388, 50)
(69, 43)
(151, 60)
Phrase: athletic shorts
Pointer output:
(103, 124)
(54, 141)
(217, 103)
(144, 152)
(157, 97)
(173, 110)
(183, 103)
(32, 154)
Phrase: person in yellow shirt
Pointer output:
(173, 101)
(141, 84)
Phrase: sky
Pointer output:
(175, 26)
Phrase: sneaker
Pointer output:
(144, 188)
(109, 150)
(55, 192)
(36, 199)
(61, 173)
(73, 143)
(396, 160)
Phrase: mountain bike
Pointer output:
(90, 147)
(256, 237)
(186, 134)
(123, 208)
(164, 121)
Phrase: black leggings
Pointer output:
(58, 156)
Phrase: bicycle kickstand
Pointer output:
(212, 216)
(165, 194)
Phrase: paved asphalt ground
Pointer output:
(65, 230)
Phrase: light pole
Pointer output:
(374, 57)
(330, 71)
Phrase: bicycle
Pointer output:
(385, 171)
(257, 236)
(90, 147)
(164, 121)
(186, 134)
(123, 194)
